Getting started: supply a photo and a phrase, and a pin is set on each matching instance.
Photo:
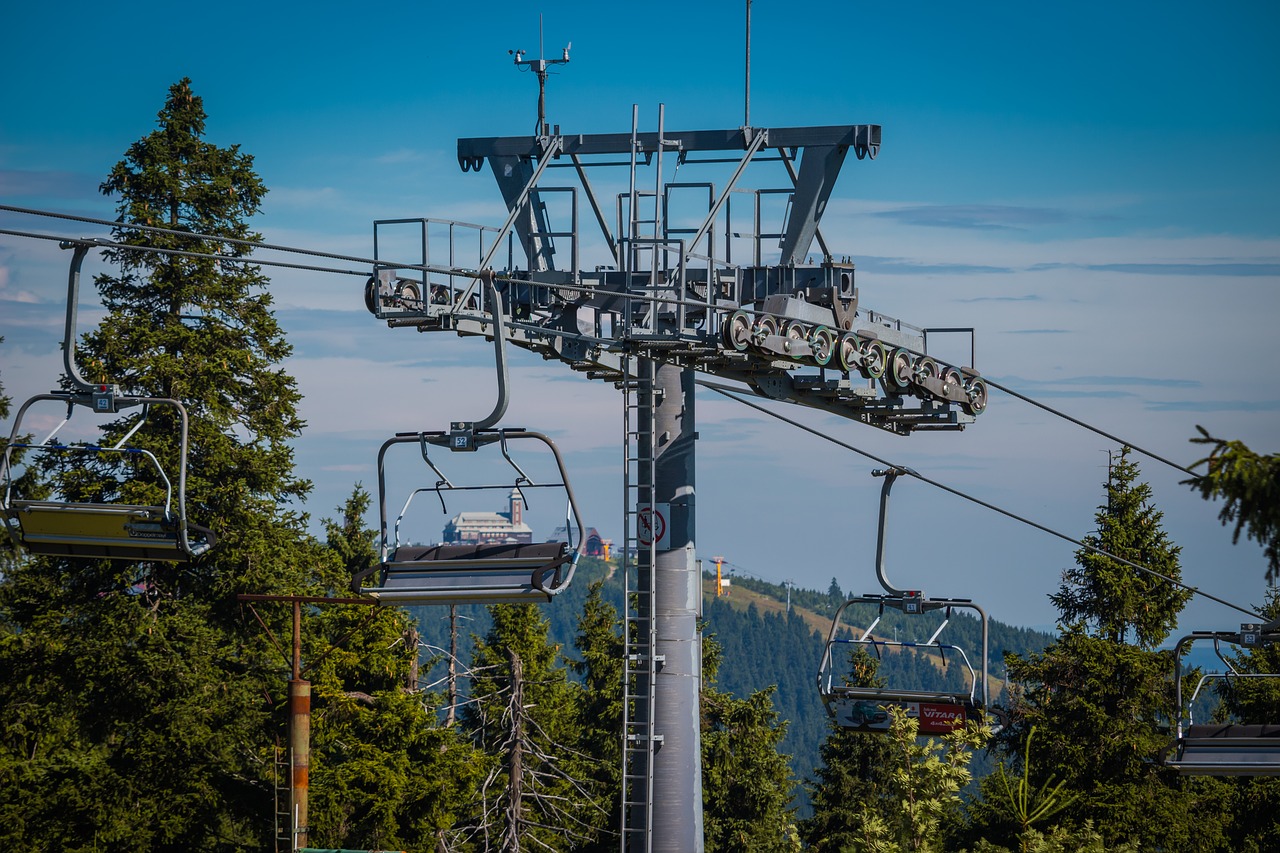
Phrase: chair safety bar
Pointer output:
(1223, 749)
(481, 573)
(103, 530)
(836, 697)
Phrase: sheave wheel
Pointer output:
(925, 368)
(875, 359)
(850, 355)
(977, 391)
(901, 369)
(764, 327)
(823, 342)
(737, 331)
(795, 332)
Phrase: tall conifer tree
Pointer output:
(1101, 696)
(854, 778)
(135, 693)
(384, 773)
(746, 782)
(600, 733)
(538, 793)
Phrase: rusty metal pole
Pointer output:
(299, 734)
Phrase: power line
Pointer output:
(182, 253)
(430, 268)
(732, 394)
(1089, 427)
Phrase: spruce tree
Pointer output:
(600, 713)
(136, 694)
(538, 792)
(746, 783)
(1113, 601)
(384, 773)
(1101, 696)
(854, 776)
(1249, 484)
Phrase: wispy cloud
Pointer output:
(904, 266)
(1028, 297)
(982, 217)
(1076, 381)
(19, 183)
(1193, 269)
(1097, 395)
(1214, 406)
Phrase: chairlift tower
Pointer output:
(696, 279)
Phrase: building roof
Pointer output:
(488, 521)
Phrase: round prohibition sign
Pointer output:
(651, 526)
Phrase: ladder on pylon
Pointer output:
(284, 799)
(640, 662)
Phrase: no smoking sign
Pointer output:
(652, 526)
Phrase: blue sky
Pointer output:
(1094, 187)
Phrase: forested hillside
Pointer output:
(764, 645)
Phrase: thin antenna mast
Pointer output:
(746, 118)
(540, 67)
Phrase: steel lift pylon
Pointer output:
(689, 275)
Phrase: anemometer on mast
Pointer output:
(541, 67)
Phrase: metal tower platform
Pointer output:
(690, 272)
(694, 274)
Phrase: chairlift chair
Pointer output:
(862, 708)
(99, 530)
(1223, 749)
(473, 573)
(938, 711)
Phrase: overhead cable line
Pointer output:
(175, 232)
(1089, 427)
(732, 394)
(181, 253)
(426, 268)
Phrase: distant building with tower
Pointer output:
(491, 528)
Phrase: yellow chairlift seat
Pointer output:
(93, 530)
(76, 528)
(110, 531)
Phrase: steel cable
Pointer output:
(732, 394)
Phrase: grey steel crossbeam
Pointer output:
(473, 151)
